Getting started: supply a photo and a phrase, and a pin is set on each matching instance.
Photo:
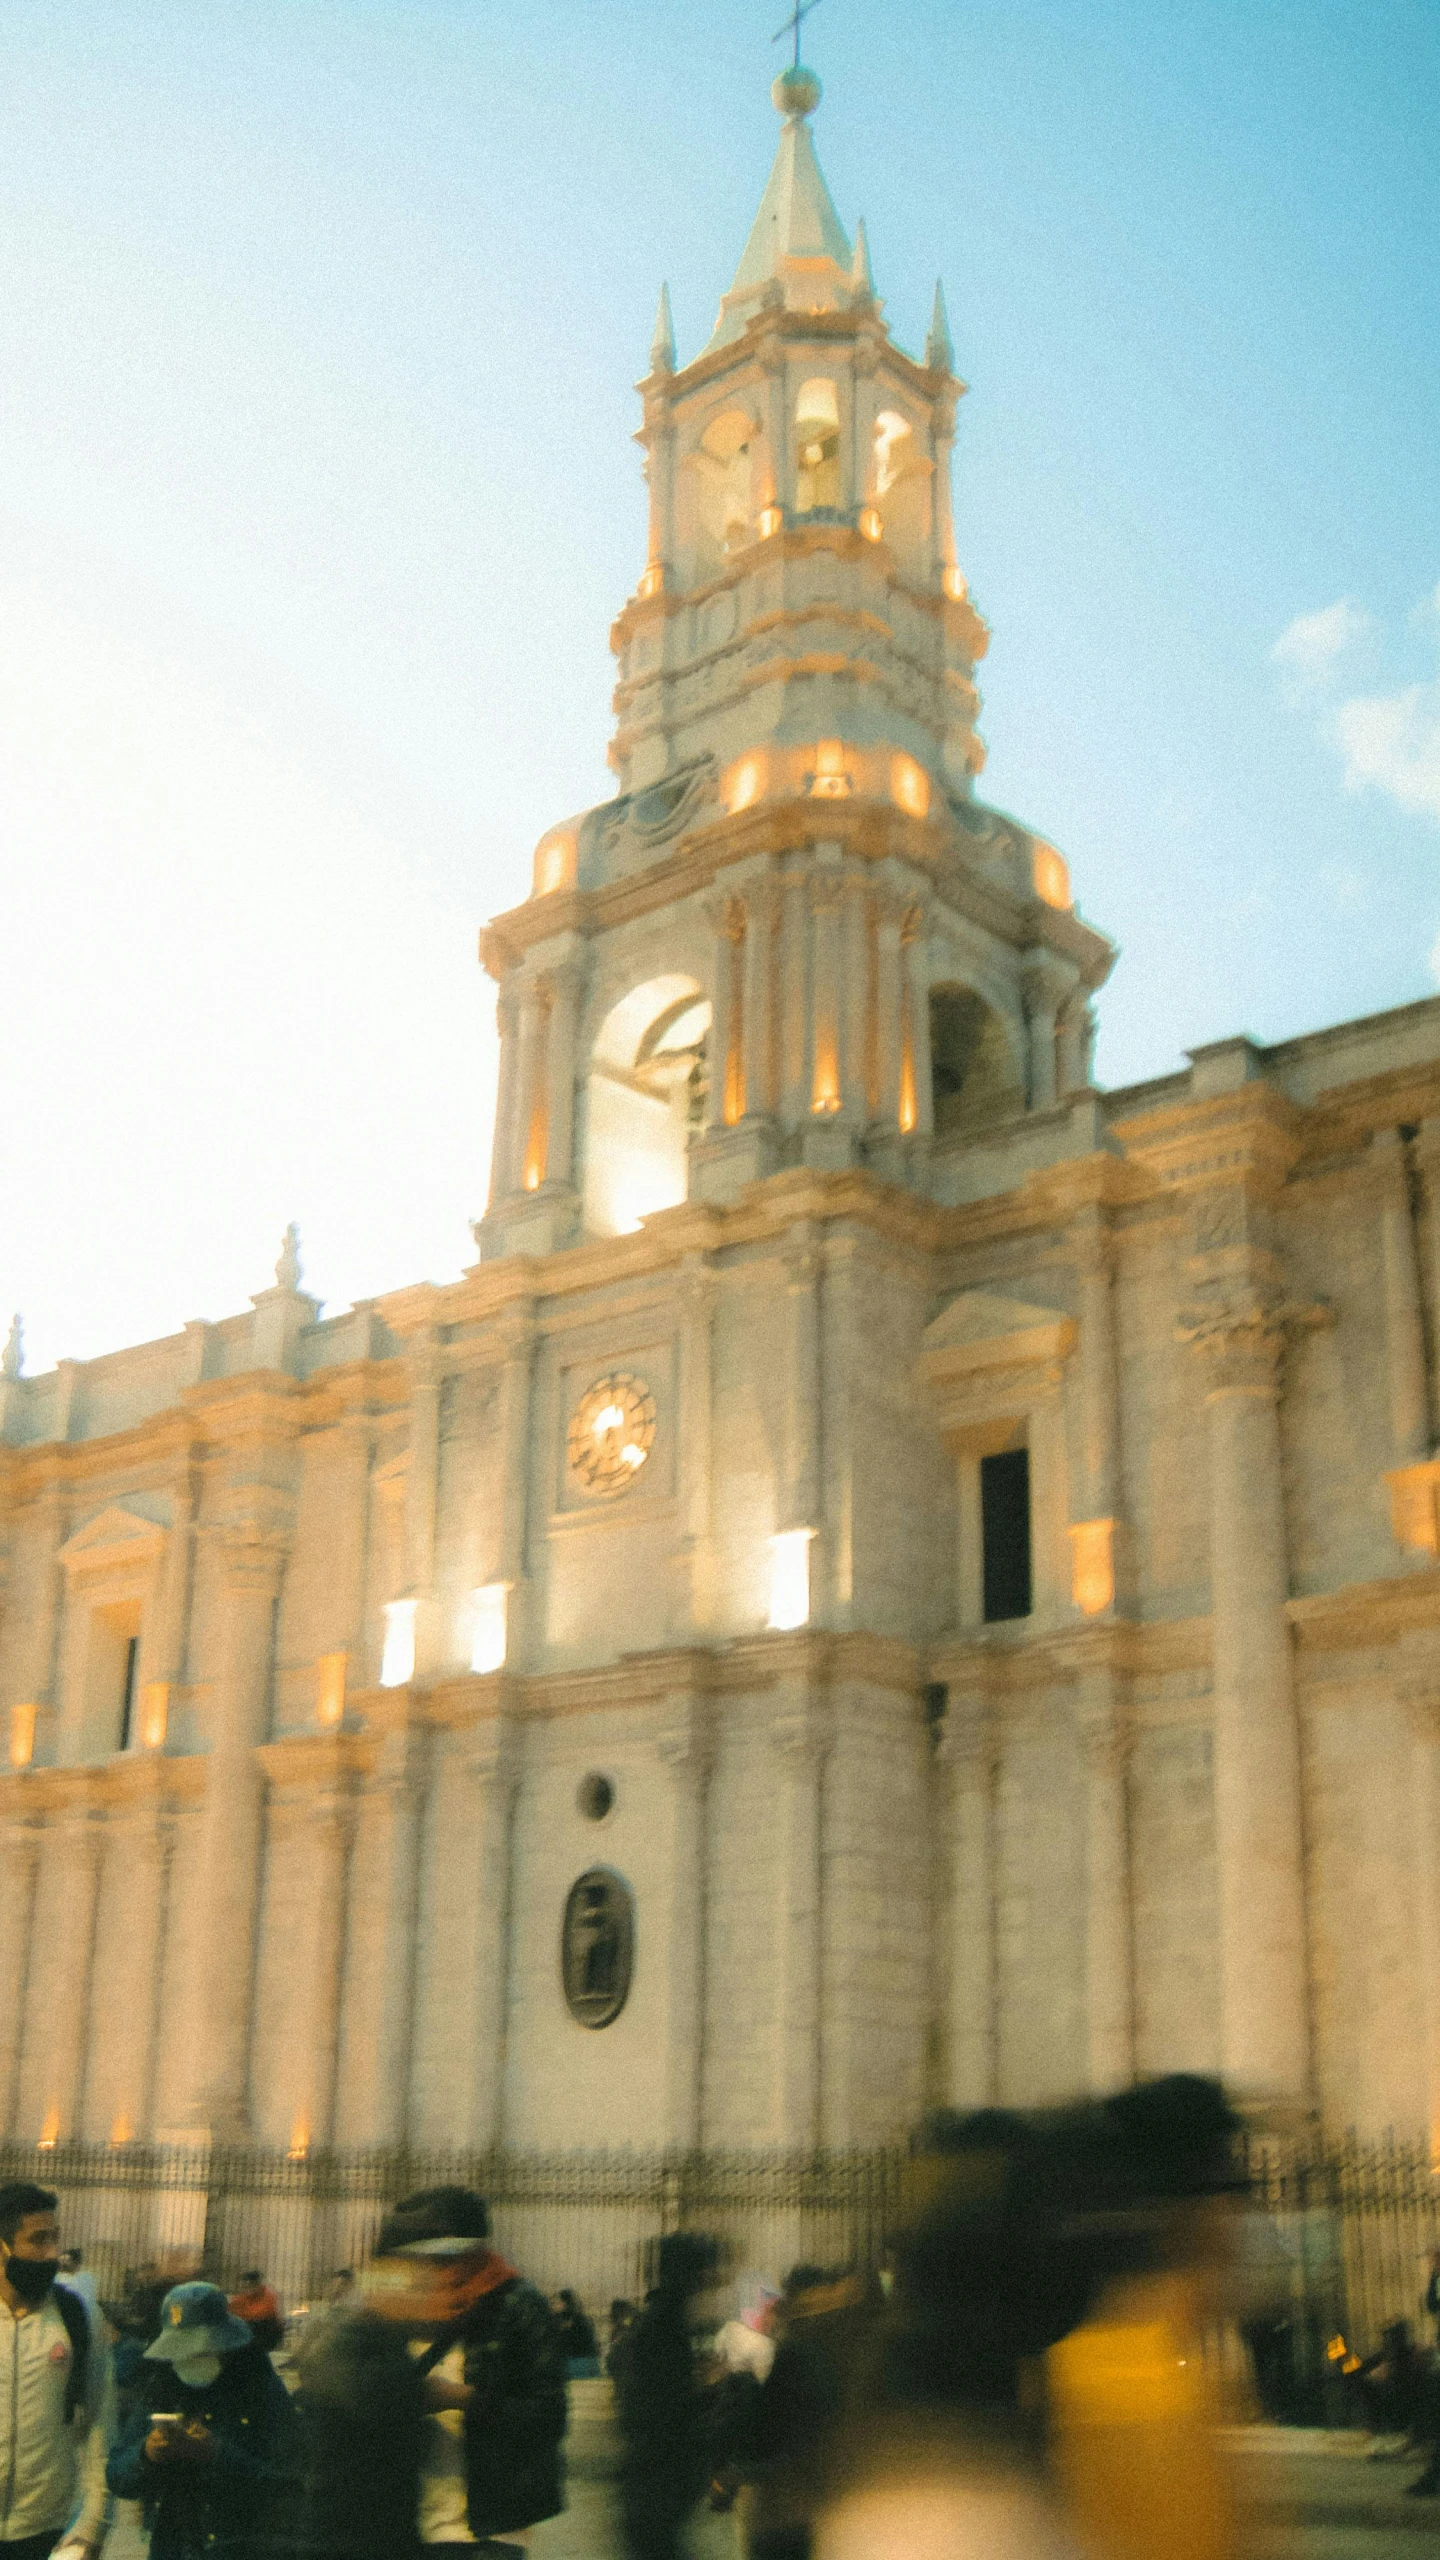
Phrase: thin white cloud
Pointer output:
(1391, 743)
(1310, 646)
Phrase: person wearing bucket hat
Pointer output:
(209, 2440)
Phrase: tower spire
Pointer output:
(662, 345)
(939, 351)
(861, 277)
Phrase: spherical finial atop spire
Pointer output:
(797, 92)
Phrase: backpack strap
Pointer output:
(77, 2326)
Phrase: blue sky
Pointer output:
(319, 323)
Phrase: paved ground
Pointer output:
(1314, 2498)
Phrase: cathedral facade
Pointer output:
(897, 1576)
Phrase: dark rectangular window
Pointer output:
(127, 1703)
(1005, 1531)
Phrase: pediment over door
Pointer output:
(115, 1537)
(980, 1330)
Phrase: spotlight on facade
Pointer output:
(397, 1659)
(790, 1578)
(488, 1635)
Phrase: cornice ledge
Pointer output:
(1383, 1610)
(313, 1760)
(125, 1783)
(1135, 1647)
(1254, 1130)
(264, 1404)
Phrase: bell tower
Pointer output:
(795, 936)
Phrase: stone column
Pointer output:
(1263, 1991)
(800, 1494)
(856, 1025)
(889, 1009)
(842, 1358)
(166, 1650)
(794, 969)
(19, 1867)
(795, 1735)
(425, 1365)
(756, 1012)
(1097, 1380)
(63, 2033)
(1073, 1046)
(516, 1376)
(921, 1097)
(356, 1450)
(1042, 994)
(725, 1100)
(532, 1116)
(506, 1153)
(379, 2024)
(45, 1620)
(1422, 1698)
(942, 437)
(145, 1842)
(492, 1764)
(827, 889)
(328, 1820)
(1404, 1333)
(698, 1292)
(252, 1561)
(682, 1748)
(562, 1026)
(1109, 1961)
(970, 1750)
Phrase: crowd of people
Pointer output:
(1024, 2376)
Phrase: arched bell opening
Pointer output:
(975, 1074)
(900, 484)
(721, 470)
(817, 447)
(645, 1094)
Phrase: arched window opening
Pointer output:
(973, 1070)
(817, 447)
(722, 463)
(646, 1093)
(900, 480)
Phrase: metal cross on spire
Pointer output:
(791, 27)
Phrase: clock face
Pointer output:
(612, 1431)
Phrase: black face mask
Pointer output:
(31, 2278)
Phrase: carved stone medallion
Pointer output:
(597, 1946)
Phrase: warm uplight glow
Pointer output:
(22, 1736)
(1414, 1509)
(831, 781)
(743, 785)
(825, 1090)
(1052, 876)
(910, 786)
(652, 581)
(488, 1637)
(330, 1689)
(397, 1660)
(955, 588)
(790, 1578)
(50, 2129)
(870, 523)
(555, 856)
(154, 1714)
(909, 1110)
(122, 2130)
(299, 2139)
(768, 521)
(1092, 1565)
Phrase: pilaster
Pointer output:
(970, 1751)
(798, 1739)
(683, 1744)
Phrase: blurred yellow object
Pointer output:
(1134, 2430)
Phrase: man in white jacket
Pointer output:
(55, 2393)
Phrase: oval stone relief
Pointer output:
(597, 1946)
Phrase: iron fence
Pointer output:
(1340, 2233)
